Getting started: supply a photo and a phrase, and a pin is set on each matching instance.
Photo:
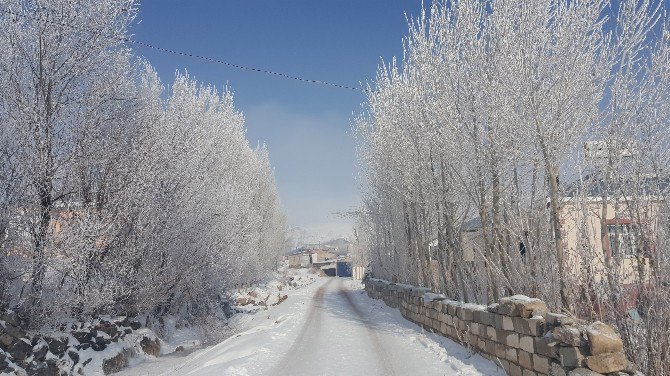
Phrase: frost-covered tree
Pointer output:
(117, 195)
(64, 111)
(476, 179)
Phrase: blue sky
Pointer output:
(306, 127)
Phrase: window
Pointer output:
(623, 239)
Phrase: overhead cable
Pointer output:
(192, 55)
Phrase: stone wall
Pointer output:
(518, 333)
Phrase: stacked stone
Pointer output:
(518, 333)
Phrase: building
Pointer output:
(599, 230)
(299, 259)
(612, 218)
(320, 255)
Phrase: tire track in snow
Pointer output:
(382, 355)
(308, 336)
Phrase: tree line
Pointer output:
(522, 147)
(119, 194)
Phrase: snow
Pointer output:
(523, 298)
(430, 296)
(330, 327)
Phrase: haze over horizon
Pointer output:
(305, 126)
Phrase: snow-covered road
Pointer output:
(328, 328)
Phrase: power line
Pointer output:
(192, 55)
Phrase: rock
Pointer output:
(124, 322)
(5, 341)
(20, 349)
(108, 328)
(150, 346)
(179, 349)
(10, 317)
(82, 336)
(98, 346)
(558, 319)
(493, 307)
(40, 351)
(117, 363)
(570, 335)
(47, 368)
(50, 369)
(103, 340)
(13, 331)
(608, 362)
(127, 331)
(571, 356)
(56, 346)
(74, 356)
(520, 306)
(35, 340)
(134, 325)
(241, 301)
(583, 372)
(603, 339)
(86, 362)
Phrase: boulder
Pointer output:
(13, 331)
(98, 346)
(570, 335)
(520, 306)
(10, 317)
(241, 301)
(5, 341)
(150, 346)
(82, 336)
(108, 328)
(47, 368)
(40, 351)
(20, 349)
(607, 363)
(57, 346)
(603, 339)
(124, 322)
(74, 356)
(558, 319)
(116, 363)
(583, 372)
(103, 340)
(572, 356)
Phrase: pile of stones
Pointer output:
(61, 353)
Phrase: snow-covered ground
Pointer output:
(330, 327)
